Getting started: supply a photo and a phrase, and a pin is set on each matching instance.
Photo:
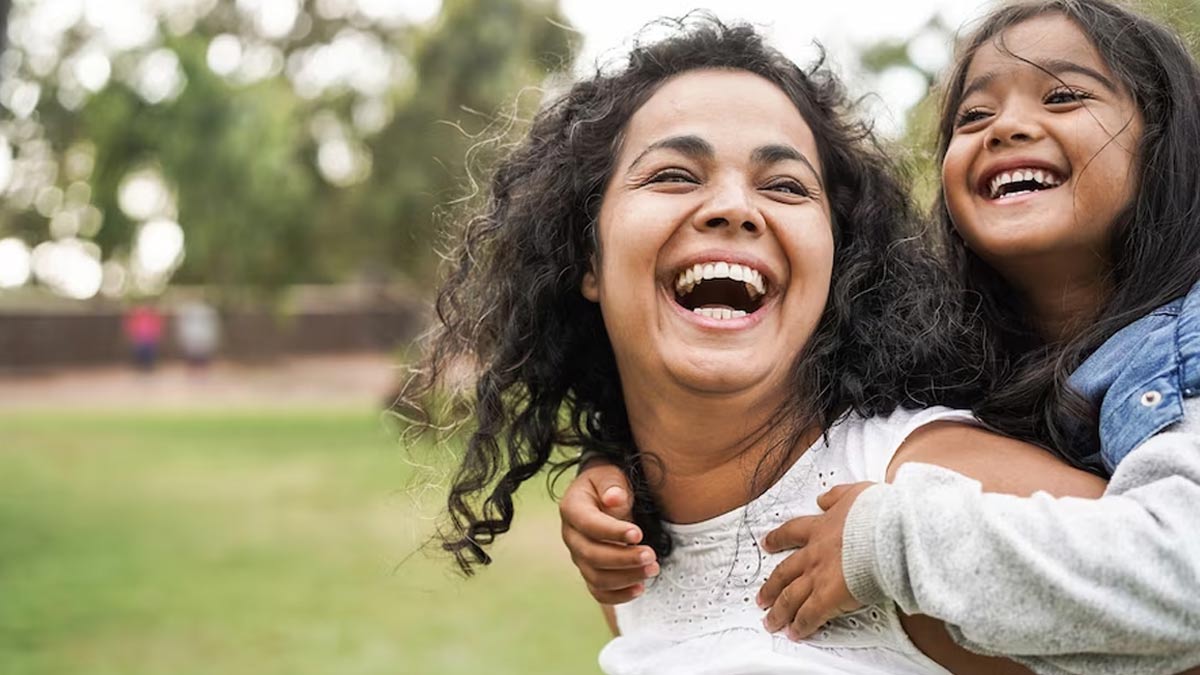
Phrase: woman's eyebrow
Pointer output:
(691, 146)
(777, 152)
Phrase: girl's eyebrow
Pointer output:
(977, 84)
(1060, 66)
(1055, 67)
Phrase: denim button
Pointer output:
(1151, 398)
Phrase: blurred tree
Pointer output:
(465, 71)
(1183, 15)
(293, 141)
(5, 5)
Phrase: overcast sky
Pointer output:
(840, 25)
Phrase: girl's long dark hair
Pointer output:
(1155, 241)
(544, 372)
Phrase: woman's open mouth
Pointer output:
(720, 290)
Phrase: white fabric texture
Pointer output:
(699, 616)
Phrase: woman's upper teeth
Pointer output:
(693, 275)
(1040, 176)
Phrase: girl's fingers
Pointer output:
(604, 581)
(618, 597)
(605, 555)
(609, 485)
(784, 610)
(784, 574)
(835, 494)
(812, 613)
(580, 510)
(792, 534)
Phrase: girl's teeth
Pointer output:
(1037, 175)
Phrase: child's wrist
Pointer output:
(588, 458)
(859, 561)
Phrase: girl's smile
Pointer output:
(1042, 159)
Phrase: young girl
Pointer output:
(1069, 148)
(679, 268)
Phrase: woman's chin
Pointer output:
(722, 373)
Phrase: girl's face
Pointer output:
(1043, 155)
(715, 241)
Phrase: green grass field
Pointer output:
(260, 544)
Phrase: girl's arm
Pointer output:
(1061, 585)
(811, 579)
(596, 528)
(610, 618)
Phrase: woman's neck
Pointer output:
(709, 455)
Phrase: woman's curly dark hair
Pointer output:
(892, 333)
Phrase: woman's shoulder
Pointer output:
(868, 444)
(900, 422)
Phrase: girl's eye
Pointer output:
(788, 186)
(1066, 95)
(968, 116)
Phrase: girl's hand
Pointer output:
(596, 527)
(808, 588)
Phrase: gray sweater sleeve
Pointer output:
(1107, 586)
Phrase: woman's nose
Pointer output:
(731, 207)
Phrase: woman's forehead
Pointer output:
(722, 106)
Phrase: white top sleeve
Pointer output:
(871, 445)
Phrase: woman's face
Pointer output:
(715, 240)
(1043, 155)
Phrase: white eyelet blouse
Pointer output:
(699, 616)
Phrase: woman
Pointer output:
(698, 268)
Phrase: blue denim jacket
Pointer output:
(1140, 376)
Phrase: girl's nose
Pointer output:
(1015, 125)
(731, 206)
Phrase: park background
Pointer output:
(291, 164)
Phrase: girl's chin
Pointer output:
(1018, 241)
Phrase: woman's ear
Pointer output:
(590, 286)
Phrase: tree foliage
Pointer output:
(271, 182)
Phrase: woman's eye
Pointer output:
(969, 116)
(1066, 95)
(791, 187)
(672, 176)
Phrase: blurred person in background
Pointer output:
(198, 331)
(144, 329)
